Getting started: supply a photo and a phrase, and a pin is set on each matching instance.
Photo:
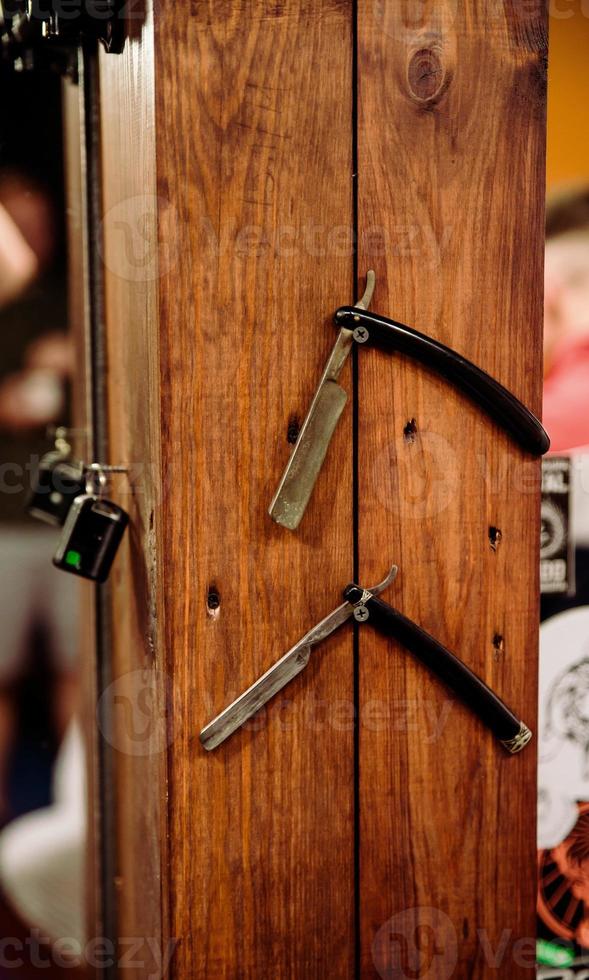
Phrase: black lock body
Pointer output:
(91, 537)
(56, 485)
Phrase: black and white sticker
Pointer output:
(557, 566)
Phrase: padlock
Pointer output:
(58, 480)
(56, 485)
(91, 537)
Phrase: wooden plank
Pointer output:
(74, 151)
(451, 178)
(253, 106)
(136, 699)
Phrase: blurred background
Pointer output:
(41, 761)
(563, 728)
(38, 604)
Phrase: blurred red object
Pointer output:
(566, 321)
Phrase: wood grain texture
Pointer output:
(74, 152)
(136, 699)
(451, 181)
(224, 261)
(254, 134)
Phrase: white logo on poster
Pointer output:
(553, 530)
(563, 773)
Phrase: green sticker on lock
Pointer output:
(74, 559)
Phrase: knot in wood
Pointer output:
(426, 75)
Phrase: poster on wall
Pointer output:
(563, 726)
(557, 558)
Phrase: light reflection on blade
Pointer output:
(277, 677)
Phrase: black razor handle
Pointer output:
(498, 403)
(474, 693)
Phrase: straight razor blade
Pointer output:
(270, 683)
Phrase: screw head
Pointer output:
(361, 614)
(360, 335)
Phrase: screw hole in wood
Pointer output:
(498, 645)
(410, 431)
(495, 537)
(292, 433)
(213, 602)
